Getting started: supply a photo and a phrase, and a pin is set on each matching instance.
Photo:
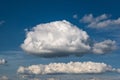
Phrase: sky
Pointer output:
(99, 19)
(52, 30)
(15, 16)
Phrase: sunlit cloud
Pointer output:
(68, 68)
(61, 38)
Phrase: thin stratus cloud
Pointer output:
(61, 38)
(101, 21)
(68, 68)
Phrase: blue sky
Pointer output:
(99, 18)
(19, 15)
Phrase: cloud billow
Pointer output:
(56, 38)
(60, 38)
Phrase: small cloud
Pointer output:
(68, 68)
(26, 30)
(104, 47)
(75, 16)
(87, 19)
(2, 61)
(101, 21)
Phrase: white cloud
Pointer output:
(75, 16)
(71, 67)
(104, 46)
(101, 21)
(90, 18)
(59, 38)
(3, 61)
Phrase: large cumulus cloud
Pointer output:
(71, 67)
(56, 37)
(59, 38)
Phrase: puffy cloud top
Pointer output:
(61, 38)
(56, 38)
(71, 67)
